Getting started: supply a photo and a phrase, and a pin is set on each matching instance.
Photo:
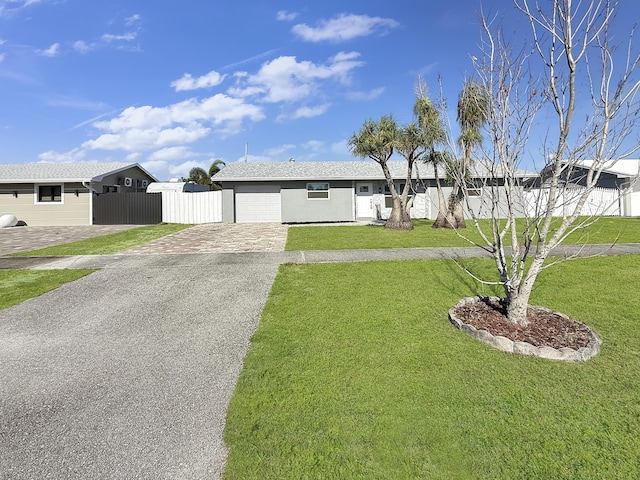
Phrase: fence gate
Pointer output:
(127, 209)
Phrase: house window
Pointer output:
(388, 198)
(317, 191)
(474, 192)
(49, 193)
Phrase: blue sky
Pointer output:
(173, 84)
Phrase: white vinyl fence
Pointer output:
(192, 207)
(601, 201)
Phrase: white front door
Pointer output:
(364, 200)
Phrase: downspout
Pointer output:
(89, 187)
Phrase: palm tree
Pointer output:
(213, 169)
(434, 135)
(199, 175)
(411, 143)
(377, 141)
(473, 104)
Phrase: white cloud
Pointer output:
(153, 128)
(156, 167)
(82, 46)
(344, 27)
(51, 156)
(427, 69)
(133, 19)
(187, 82)
(283, 15)
(73, 102)
(52, 51)
(279, 150)
(8, 7)
(118, 41)
(183, 168)
(341, 148)
(172, 153)
(138, 139)
(259, 56)
(310, 112)
(284, 79)
(126, 37)
(363, 96)
(2, 57)
(314, 145)
(133, 157)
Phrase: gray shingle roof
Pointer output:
(67, 172)
(348, 170)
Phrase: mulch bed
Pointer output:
(545, 328)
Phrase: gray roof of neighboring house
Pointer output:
(61, 172)
(348, 170)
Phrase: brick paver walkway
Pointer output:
(219, 238)
(21, 239)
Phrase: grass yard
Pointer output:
(107, 244)
(356, 373)
(605, 230)
(16, 286)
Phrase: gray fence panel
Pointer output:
(127, 209)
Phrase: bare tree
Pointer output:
(571, 49)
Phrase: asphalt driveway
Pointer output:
(127, 373)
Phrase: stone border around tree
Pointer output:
(523, 348)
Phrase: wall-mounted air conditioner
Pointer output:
(128, 182)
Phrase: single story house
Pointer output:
(63, 193)
(304, 192)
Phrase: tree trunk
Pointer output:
(518, 299)
(453, 217)
(517, 309)
(442, 205)
(399, 218)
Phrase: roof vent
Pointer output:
(292, 160)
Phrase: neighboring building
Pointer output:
(63, 193)
(303, 192)
(622, 178)
(617, 192)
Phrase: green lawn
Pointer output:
(108, 244)
(605, 230)
(356, 373)
(16, 286)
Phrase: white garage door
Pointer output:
(258, 203)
